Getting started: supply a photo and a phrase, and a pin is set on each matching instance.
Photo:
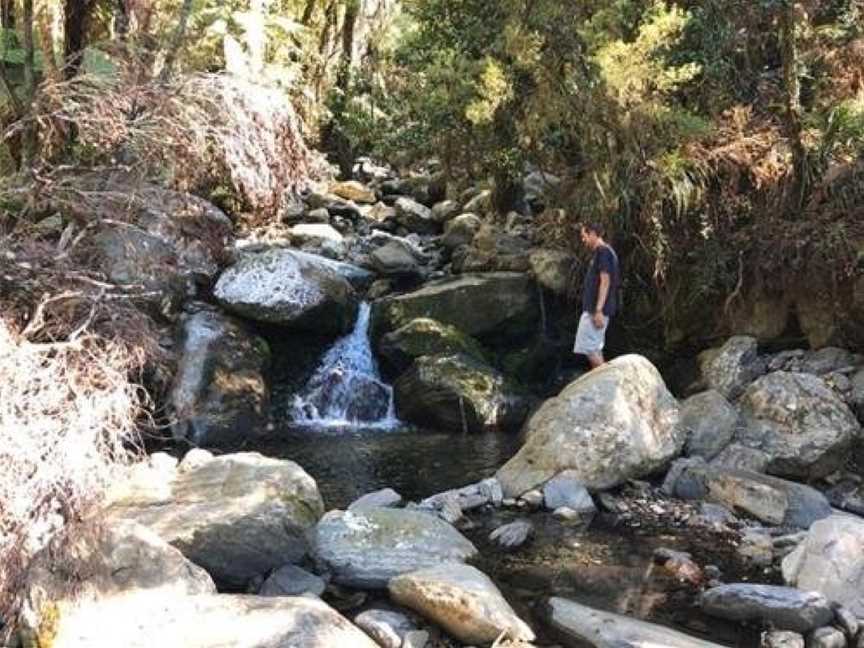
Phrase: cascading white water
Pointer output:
(346, 389)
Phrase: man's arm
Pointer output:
(602, 294)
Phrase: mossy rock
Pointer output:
(426, 337)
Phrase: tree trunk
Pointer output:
(7, 14)
(789, 27)
(176, 41)
(121, 20)
(28, 144)
(75, 22)
(308, 12)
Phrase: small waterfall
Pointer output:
(346, 389)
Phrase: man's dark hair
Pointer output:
(594, 227)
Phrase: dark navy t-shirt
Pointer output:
(604, 260)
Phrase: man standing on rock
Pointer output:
(599, 295)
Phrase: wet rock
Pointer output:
(147, 619)
(734, 366)
(831, 561)
(425, 337)
(799, 422)
(486, 491)
(458, 393)
(770, 499)
(238, 515)
(826, 638)
(290, 580)
(387, 627)
(289, 288)
(461, 230)
(386, 497)
(615, 423)
(709, 422)
(579, 625)
(786, 608)
(416, 217)
(219, 395)
(367, 548)
(462, 600)
(781, 639)
(565, 489)
(503, 304)
(512, 535)
(353, 190)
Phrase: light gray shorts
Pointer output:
(589, 338)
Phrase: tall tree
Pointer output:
(76, 20)
(792, 16)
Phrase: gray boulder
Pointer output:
(425, 337)
(416, 217)
(386, 497)
(219, 395)
(565, 489)
(731, 368)
(552, 269)
(831, 561)
(445, 210)
(289, 288)
(615, 423)
(799, 422)
(367, 548)
(709, 421)
(395, 258)
(462, 600)
(578, 625)
(461, 230)
(290, 580)
(786, 608)
(238, 516)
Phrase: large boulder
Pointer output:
(800, 422)
(219, 394)
(416, 217)
(462, 600)
(831, 561)
(578, 626)
(498, 303)
(459, 393)
(238, 516)
(460, 230)
(770, 499)
(553, 269)
(731, 368)
(615, 423)
(709, 421)
(289, 288)
(785, 608)
(425, 337)
(147, 619)
(396, 258)
(367, 548)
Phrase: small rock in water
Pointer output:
(826, 637)
(785, 607)
(781, 639)
(533, 498)
(513, 535)
(566, 490)
(566, 514)
(509, 502)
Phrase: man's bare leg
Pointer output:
(595, 359)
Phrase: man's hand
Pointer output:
(598, 319)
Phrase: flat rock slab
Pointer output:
(461, 599)
(238, 516)
(206, 621)
(786, 608)
(578, 626)
(367, 548)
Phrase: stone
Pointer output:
(733, 367)
(387, 627)
(461, 230)
(219, 395)
(740, 457)
(289, 288)
(499, 303)
(147, 619)
(459, 393)
(709, 421)
(394, 258)
(355, 191)
(826, 360)
(315, 232)
(290, 580)
(320, 215)
(564, 489)
(445, 210)
(826, 638)
(462, 600)
(786, 608)
(238, 515)
(847, 621)
(487, 491)
(386, 497)
(580, 625)
(480, 203)
(365, 549)
(415, 639)
(799, 422)
(552, 269)
(769, 499)
(756, 548)
(615, 423)
(781, 639)
(512, 535)
(533, 498)
(416, 217)
(831, 561)
(425, 337)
